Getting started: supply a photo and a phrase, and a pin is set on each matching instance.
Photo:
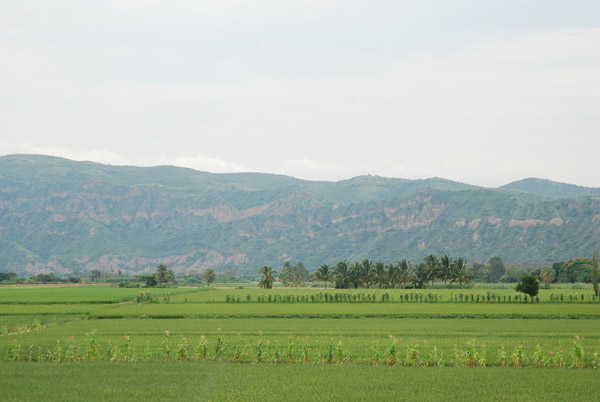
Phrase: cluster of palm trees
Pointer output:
(367, 273)
(404, 274)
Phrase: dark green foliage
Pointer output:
(496, 269)
(8, 277)
(576, 270)
(209, 276)
(267, 278)
(529, 285)
(163, 274)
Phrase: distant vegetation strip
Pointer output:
(347, 310)
(334, 352)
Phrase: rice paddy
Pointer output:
(223, 334)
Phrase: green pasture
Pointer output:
(219, 381)
(78, 294)
(51, 309)
(355, 310)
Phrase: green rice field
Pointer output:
(106, 344)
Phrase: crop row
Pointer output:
(472, 355)
(362, 297)
(355, 310)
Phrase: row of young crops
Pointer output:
(415, 297)
(472, 355)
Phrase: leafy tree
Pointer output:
(324, 273)
(496, 269)
(529, 285)
(163, 274)
(285, 276)
(558, 268)
(299, 274)
(95, 275)
(8, 277)
(433, 267)
(210, 276)
(547, 274)
(595, 271)
(267, 279)
(512, 274)
(481, 272)
(46, 278)
(577, 270)
(446, 268)
(460, 273)
(149, 280)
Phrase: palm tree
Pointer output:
(460, 273)
(392, 272)
(285, 276)
(342, 275)
(355, 274)
(323, 273)
(267, 279)
(209, 276)
(433, 266)
(446, 268)
(367, 273)
(379, 273)
(420, 275)
(406, 269)
(163, 274)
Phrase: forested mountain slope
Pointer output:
(62, 216)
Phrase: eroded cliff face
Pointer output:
(87, 222)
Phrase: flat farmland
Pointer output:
(361, 345)
(76, 294)
(222, 381)
(349, 310)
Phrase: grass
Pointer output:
(79, 294)
(218, 381)
(51, 309)
(68, 314)
(352, 310)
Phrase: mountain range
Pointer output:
(58, 215)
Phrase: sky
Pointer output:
(482, 92)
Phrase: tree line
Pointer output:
(406, 274)
(366, 274)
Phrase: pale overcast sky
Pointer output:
(484, 92)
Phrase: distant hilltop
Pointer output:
(58, 215)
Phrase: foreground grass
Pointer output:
(218, 381)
